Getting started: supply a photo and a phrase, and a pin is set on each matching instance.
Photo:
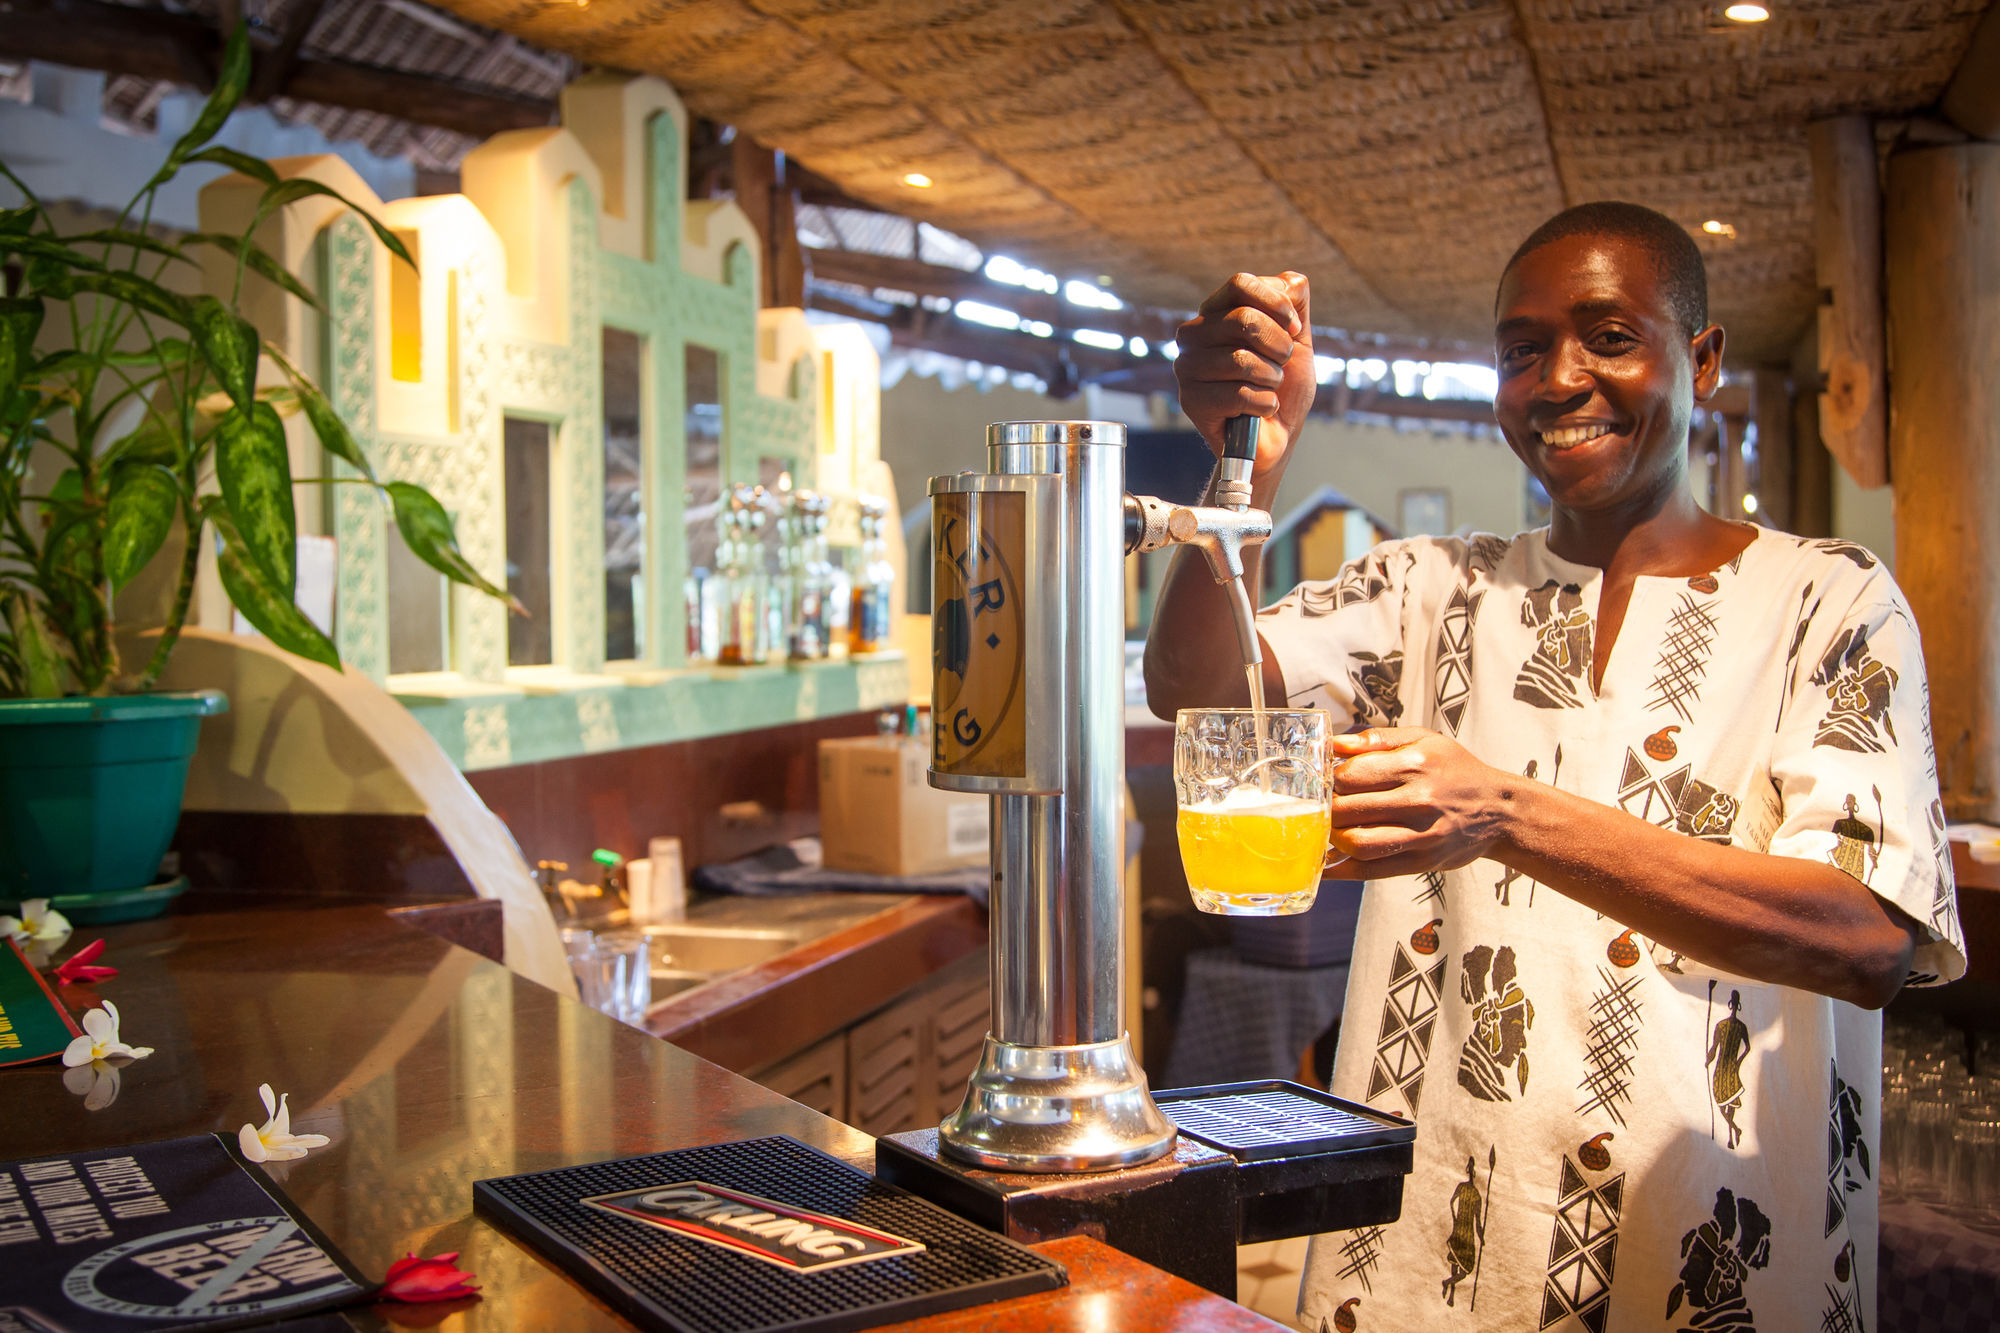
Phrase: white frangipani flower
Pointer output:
(275, 1142)
(37, 923)
(100, 1040)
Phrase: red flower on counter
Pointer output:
(434, 1279)
(77, 969)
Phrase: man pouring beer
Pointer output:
(1616, 822)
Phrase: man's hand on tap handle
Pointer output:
(1249, 350)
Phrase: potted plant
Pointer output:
(145, 415)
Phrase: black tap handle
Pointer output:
(1239, 438)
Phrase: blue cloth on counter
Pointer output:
(781, 870)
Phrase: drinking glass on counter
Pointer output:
(613, 971)
(1974, 1178)
(1253, 818)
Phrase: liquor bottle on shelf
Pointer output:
(745, 584)
(699, 592)
(869, 618)
(776, 500)
(809, 577)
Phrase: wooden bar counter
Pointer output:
(429, 1068)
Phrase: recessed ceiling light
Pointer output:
(916, 180)
(1746, 13)
(1722, 229)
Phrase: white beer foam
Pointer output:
(1247, 800)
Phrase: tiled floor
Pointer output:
(1267, 1278)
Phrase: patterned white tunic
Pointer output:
(1611, 1135)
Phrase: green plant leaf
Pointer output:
(42, 664)
(131, 240)
(230, 82)
(44, 248)
(264, 604)
(171, 352)
(260, 261)
(229, 343)
(334, 437)
(20, 321)
(144, 498)
(70, 571)
(69, 361)
(18, 220)
(291, 191)
(48, 278)
(153, 443)
(138, 292)
(254, 167)
(256, 476)
(427, 531)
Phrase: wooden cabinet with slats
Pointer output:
(815, 1078)
(902, 1067)
(885, 1091)
(958, 1027)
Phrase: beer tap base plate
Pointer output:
(1057, 1109)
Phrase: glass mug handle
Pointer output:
(1333, 856)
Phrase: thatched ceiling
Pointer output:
(1394, 152)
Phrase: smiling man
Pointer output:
(1668, 785)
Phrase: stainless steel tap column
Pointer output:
(1029, 635)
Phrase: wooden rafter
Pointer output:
(920, 279)
(1972, 99)
(177, 48)
(1064, 364)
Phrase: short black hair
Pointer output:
(1676, 257)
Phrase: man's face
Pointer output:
(1597, 378)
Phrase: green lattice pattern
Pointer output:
(562, 383)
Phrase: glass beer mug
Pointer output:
(1253, 812)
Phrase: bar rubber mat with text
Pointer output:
(756, 1236)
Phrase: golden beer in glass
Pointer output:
(1252, 807)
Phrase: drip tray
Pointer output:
(759, 1234)
(1307, 1161)
(1255, 1122)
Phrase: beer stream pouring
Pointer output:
(1028, 707)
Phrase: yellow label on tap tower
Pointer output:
(978, 634)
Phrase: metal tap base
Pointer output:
(1178, 1213)
(1057, 1108)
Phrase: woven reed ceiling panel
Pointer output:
(1396, 152)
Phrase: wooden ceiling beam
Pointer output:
(863, 269)
(1333, 400)
(910, 275)
(1972, 99)
(276, 71)
(1853, 383)
(1057, 362)
(814, 188)
(175, 48)
(1467, 411)
(1731, 399)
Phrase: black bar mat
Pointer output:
(688, 1241)
(1269, 1118)
(179, 1234)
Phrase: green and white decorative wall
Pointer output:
(560, 234)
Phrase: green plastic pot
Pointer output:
(90, 792)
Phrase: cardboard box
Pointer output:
(879, 814)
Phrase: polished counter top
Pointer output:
(430, 1068)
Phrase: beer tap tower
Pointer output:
(1028, 650)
